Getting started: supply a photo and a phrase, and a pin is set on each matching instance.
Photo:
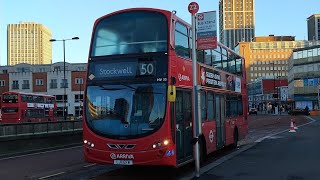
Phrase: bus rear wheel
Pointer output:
(235, 138)
(202, 150)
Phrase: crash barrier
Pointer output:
(22, 129)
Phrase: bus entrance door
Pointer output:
(183, 126)
(220, 117)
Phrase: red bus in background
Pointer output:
(18, 107)
(138, 106)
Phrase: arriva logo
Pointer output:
(183, 77)
(121, 156)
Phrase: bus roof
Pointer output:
(23, 93)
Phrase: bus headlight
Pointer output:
(159, 144)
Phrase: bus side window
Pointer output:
(210, 110)
(217, 58)
(203, 105)
(232, 64)
(239, 67)
(240, 106)
(24, 98)
(200, 56)
(228, 109)
(181, 40)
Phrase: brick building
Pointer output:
(47, 79)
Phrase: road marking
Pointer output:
(270, 135)
(89, 165)
(13, 157)
(52, 175)
(235, 153)
(218, 162)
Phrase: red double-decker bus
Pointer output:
(18, 107)
(138, 106)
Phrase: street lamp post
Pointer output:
(64, 73)
(80, 102)
(274, 86)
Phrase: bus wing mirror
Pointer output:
(172, 93)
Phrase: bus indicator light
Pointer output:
(165, 142)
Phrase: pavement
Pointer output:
(261, 128)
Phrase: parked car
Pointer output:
(253, 111)
(299, 112)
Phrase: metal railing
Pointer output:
(21, 129)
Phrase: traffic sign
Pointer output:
(193, 8)
(206, 30)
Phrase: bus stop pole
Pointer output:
(196, 124)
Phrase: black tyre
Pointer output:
(235, 138)
(202, 151)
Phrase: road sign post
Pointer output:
(193, 9)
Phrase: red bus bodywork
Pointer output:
(164, 145)
(18, 107)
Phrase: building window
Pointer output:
(25, 84)
(61, 98)
(2, 83)
(64, 83)
(78, 97)
(15, 84)
(53, 84)
(56, 68)
(39, 82)
(79, 81)
(78, 111)
(42, 70)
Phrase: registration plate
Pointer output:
(123, 162)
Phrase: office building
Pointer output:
(314, 27)
(304, 77)
(236, 21)
(267, 56)
(28, 43)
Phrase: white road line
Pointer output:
(13, 157)
(52, 175)
(270, 135)
(89, 165)
(235, 153)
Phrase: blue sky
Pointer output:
(69, 18)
